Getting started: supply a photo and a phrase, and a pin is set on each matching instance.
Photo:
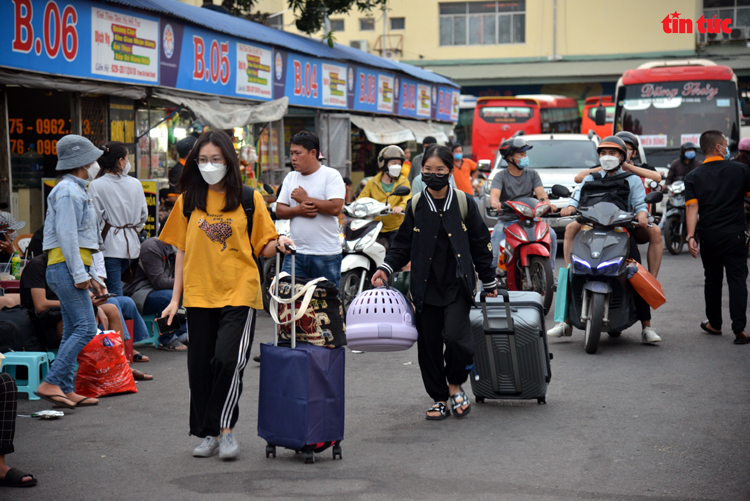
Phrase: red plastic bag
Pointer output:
(103, 368)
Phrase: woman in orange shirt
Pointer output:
(464, 171)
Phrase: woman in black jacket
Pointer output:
(444, 247)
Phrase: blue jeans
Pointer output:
(129, 311)
(312, 266)
(79, 325)
(156, 302)
(498, 235)
(115, 266)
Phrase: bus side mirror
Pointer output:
(746, 109)
(600, 118)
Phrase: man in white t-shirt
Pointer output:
(312, 196)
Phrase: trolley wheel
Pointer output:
(337, 452)
(480, 400)
(270, 451)
(309, 457)
(541, 400)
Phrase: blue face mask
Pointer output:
(726, 155)
(458, 156)
(523, 163)
(690, 154)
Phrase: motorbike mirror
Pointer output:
(600, 117)
(654, 197)
(269, 189)
(560, 191)
(484, 166)
(401, 191)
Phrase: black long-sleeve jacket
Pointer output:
(415, 242)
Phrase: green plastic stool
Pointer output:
(153, 331)
(37, 364)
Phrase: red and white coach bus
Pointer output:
(667, 103)
(498, 118)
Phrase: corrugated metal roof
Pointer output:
(248, 30)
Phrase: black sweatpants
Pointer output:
(449, 325)
(717, 254)
(8, 404)
(220, 341)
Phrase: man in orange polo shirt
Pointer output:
(465, 170)
(716, 192)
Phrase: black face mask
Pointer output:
(436, 182)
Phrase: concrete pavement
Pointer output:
(630, 423)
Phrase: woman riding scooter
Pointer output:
(380, 187)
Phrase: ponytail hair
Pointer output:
(113, 151)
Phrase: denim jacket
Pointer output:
(71, 224)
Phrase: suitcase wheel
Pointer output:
(337, 452)
(270, 451)
(541, 400)
(480, 400)
(309, 457)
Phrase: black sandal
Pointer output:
(438, 407)
(14, 478)
(712, 331)
(459, 400)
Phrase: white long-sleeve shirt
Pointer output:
(120, 201)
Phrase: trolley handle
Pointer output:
(508, 314)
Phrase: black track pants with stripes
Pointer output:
(220, 341)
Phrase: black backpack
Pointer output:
(248, 203)
(17, 331)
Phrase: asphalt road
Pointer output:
(630, 423)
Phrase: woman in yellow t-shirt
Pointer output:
(217, 271)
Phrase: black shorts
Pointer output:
(47, 321)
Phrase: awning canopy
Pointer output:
(380, 130)
(226, 113)
(423, 129)
(39, 81)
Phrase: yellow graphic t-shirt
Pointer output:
(220, 268)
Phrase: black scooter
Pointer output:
(601, 296)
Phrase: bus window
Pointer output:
(505, 114)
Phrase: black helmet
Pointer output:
(615, 143)
(514, 145)
(689, 145)
(631, 139)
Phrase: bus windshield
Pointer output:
(668, 114)
(505, 114)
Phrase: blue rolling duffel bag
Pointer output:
(301, 401)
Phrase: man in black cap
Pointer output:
(417, 162)
(184, 146)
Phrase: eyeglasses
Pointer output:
(216, 160)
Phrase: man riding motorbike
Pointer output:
(686, 163)
(651, 234)
(380, 187)
(512, 183)
(625, 190)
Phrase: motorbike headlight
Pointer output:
(521, 236)
(366, 240)
(360, 211)
(609, 267)
(580, 265)
(541, 210)
(521, 208)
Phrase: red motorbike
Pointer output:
(524, 253)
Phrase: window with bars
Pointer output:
(337, 25)
(398, 23)
(483, 23)
(367, 24)
(736, 10)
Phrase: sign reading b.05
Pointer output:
(59, 33)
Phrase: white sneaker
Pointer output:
(560, 330)
(649, 335)
(207, 448)
(228, 446)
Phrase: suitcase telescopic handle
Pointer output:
(508, 315)
(293, 252)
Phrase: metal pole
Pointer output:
(554, 29)
(385, 20)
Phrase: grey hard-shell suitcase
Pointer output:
(511, 359)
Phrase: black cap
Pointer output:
(184, 146)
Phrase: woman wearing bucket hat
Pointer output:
(71, 237)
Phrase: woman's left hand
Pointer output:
(397, 210)
(283, 241)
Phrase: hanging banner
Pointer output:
(407, 106)
(424, 101)
(385, 93)
(254, 71)
(366, 90)
(444, 109)
(171, 50)
(334, 85)
(303, 80)
(124, 45)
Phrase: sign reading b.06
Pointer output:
(59, 33)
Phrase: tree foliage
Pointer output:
(309, 14)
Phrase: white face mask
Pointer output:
(212, 173)
(93, 170)
(394, 171)
(126, 169)
(608, 162)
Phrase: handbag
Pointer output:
(562, 299)
(646, 285)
